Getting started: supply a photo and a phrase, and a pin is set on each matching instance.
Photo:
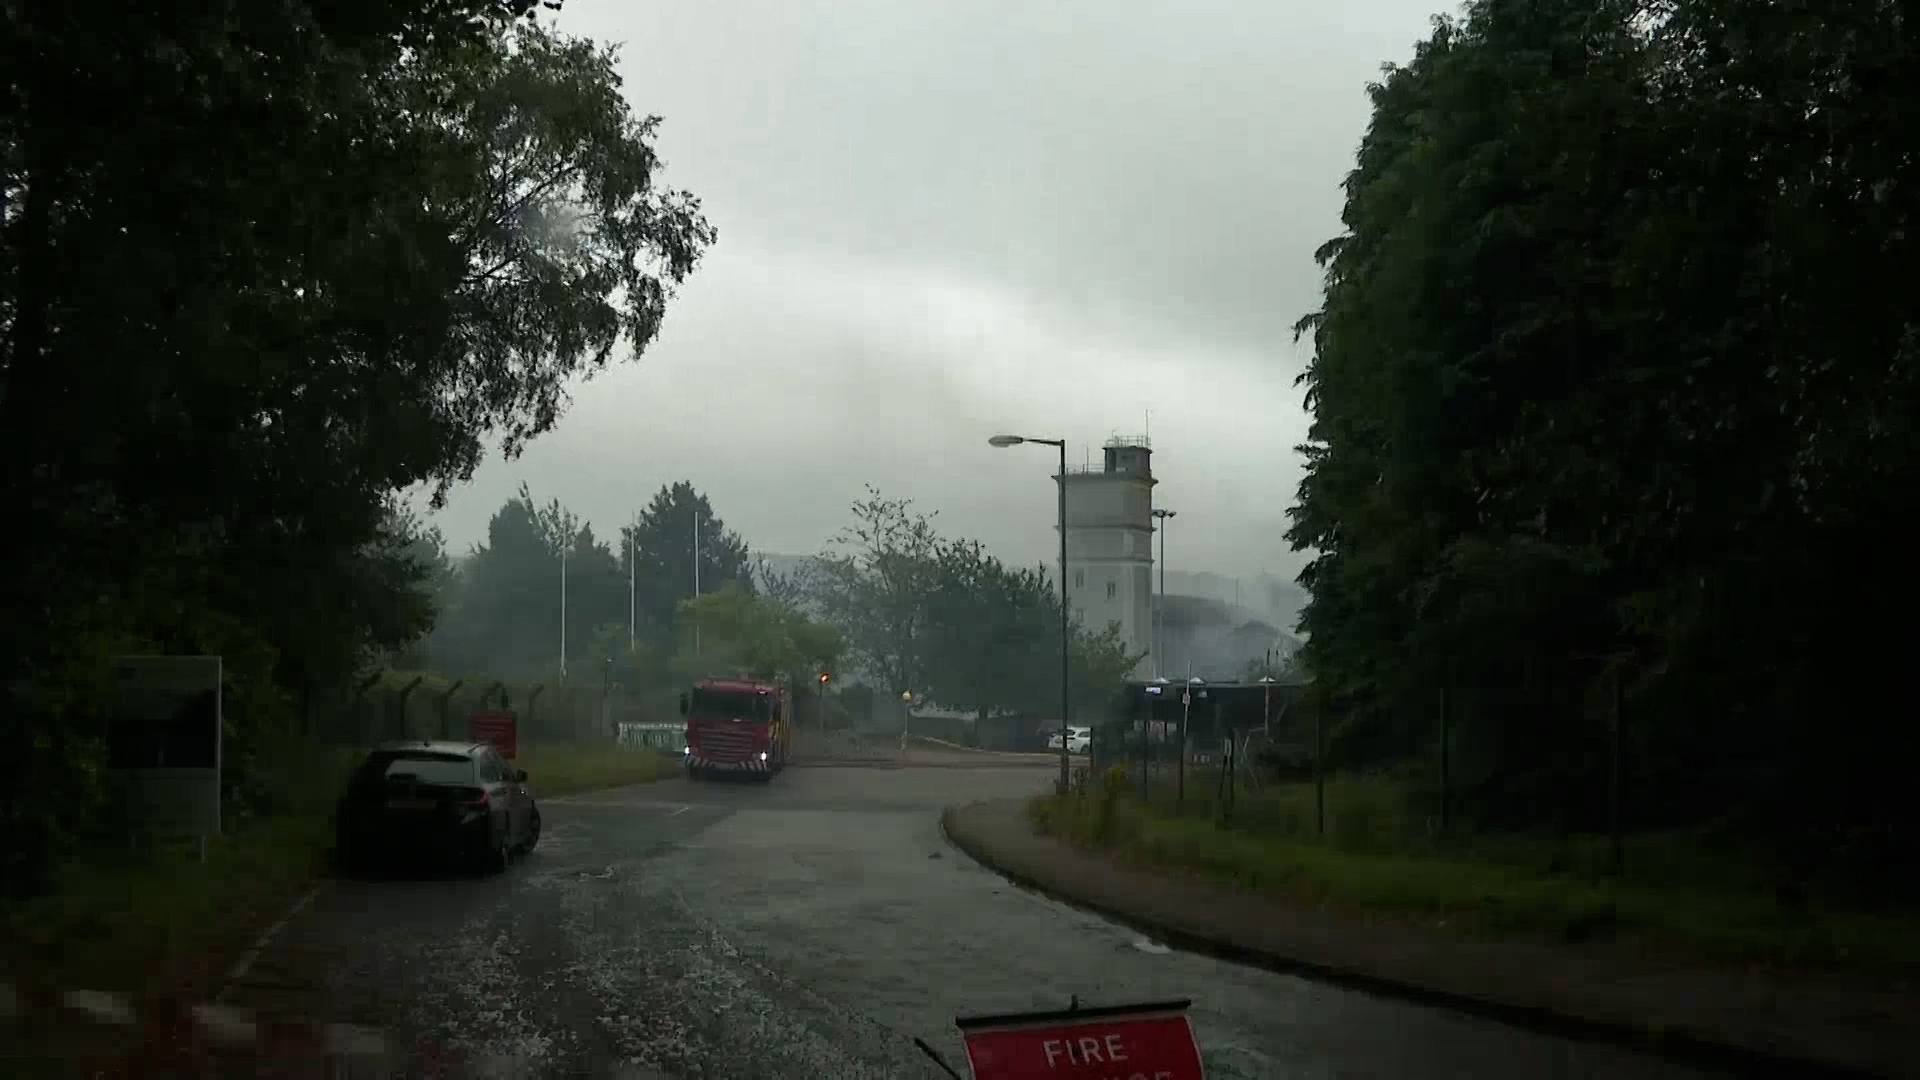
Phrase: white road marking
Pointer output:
(105, 1008)
(233, 1027)
(618, 804)
(241, 966)
(356, 1041)
(680, 811)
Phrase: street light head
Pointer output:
(1005, 440)
(906, 695)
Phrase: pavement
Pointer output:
(811, 926)
(1747, 1021)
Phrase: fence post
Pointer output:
(1320, 767)
(1146, 737)
(1616, 852)
(1180, 755)
(1233, 769)
(1446, 709)
(358, 705)
(446, 700)
(400, 709)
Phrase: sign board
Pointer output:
(163, 740)
(1124, 1042)
(501, 727)
(669, 738)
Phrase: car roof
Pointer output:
(431, 746)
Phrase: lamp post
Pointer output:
(696, 575)
(1066, 781)
(1158, 634)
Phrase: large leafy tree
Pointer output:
(748, 634)
(260, 268)
(1612, 384)
(660, 548)
(943, 618)
(508, 604)
(874, 582)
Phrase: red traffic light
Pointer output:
(826, 677)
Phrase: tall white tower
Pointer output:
(1110, 543)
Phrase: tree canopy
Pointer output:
(941, 617)
(678, 522)
(1613, 381)
(261, 268)
(502, 609)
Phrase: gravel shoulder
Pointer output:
(1750, 1021)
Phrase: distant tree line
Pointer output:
(1614, 399)
(909, 609)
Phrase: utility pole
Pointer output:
(1066, 606)
(1159, 633)
(1066, 657)
(563, 614)
(696, 574)
(633, 585)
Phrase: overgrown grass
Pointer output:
(1379, 858)
(564, 768)
(156, 920)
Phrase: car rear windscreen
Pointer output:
(427, 768)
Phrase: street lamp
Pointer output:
(1066, 782)
(1159, 636)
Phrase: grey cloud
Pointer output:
(941, 220)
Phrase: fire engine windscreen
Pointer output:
(725, 705)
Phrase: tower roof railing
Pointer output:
(1140, 441)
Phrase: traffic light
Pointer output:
(826, 677)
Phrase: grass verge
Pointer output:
(1486, 889)
(564, 768)
(158, 921)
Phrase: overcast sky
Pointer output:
(939, 221)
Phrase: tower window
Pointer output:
(1079, 578)
(1110, 590)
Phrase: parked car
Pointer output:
(436, 802)
(1078, 739)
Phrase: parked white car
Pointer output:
(1078, 739)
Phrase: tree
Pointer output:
(222, 355)
(741, 633)
(946, 619)
(1611, 384)
(506, 618)
(873, 584)
(663, 539)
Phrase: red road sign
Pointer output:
(499, 727)
(1124, 1042)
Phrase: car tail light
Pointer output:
(474, 799)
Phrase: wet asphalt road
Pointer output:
(809, 927)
